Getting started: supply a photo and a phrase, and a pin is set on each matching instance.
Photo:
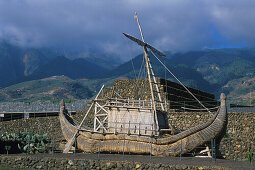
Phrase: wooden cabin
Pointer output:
(134, 117)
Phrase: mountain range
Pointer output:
(18, 64)
(78, 75)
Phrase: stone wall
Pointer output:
(240, 131)
(239, 138)
(173, 93)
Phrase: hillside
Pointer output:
(189, 76)
(51, 88)
(241, 90)
(231, 71)
(75, 69)
(215, 71)
(220, 66)
(19, 64)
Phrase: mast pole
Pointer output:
(146, 56)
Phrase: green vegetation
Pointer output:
(33, 143)
(226, 135)
(24, 142)
(9, 137)
(7, 148)
(250, 157)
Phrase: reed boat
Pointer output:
(116, 142)
(139, 126)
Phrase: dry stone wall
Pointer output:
(240, 134)
(171, 93)
(239, 138)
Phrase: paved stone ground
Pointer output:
(186, 161)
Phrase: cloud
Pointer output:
(234, 20)
(177, 25)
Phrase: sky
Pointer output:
(168, 25)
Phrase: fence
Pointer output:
(190, 106)
(40, 106)
(82, 104)
(20, 110)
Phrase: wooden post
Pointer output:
(95, 115)
(123, 147)
(151, 149)
(151, 129)
(156, 85)
(75, 144)
(115, 131)
(241, 149)
(212, 148)
(129, 128)
(146, 56)
(229, 148)
(181, 149)
(139, 132)
(98, 155)
(71, 141)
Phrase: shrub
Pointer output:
(33, 143)
(24, 142)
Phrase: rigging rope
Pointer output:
(165, 78)
(182, 84)
(141, 68)
(131, 61)
(133, 67)
(139, 76)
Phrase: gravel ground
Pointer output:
(186, 161)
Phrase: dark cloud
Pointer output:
(176, 25)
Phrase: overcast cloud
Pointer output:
(176, 25)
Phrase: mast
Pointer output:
(149, 71)
(151, 76)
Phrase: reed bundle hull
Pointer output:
(183, 142)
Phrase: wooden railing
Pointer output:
(130, 103)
